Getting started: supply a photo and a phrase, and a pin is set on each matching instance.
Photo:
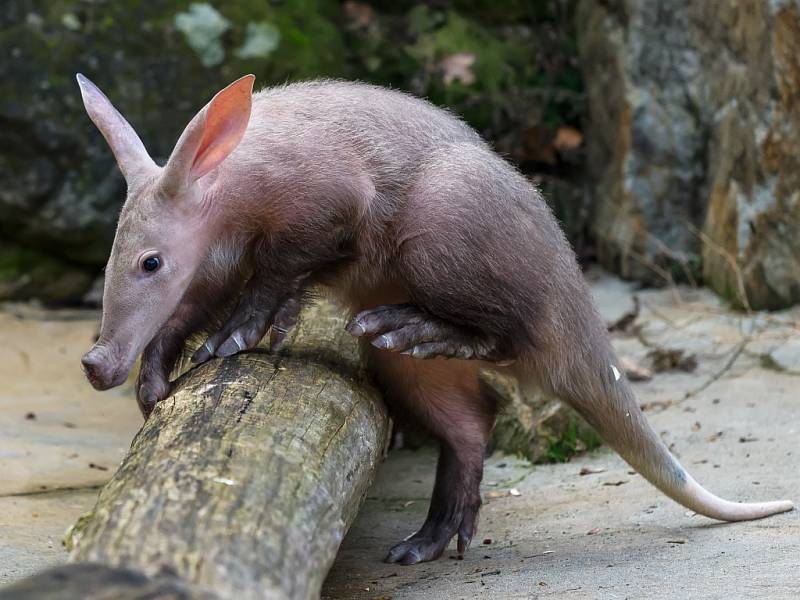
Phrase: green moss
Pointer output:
(513, 437)
(767, 362)
(310, 43)
(74, 534)
(26, 273)
(688, 271)
(16, 262)
(574, 440)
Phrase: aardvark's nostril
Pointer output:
(89, 364)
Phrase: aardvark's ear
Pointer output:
(128, 149)
(211, 136)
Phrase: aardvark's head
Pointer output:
(166, 224)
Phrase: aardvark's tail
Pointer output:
(607, 402)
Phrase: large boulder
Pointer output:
(694, 142)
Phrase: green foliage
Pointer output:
(16, 262)
(25, 273)
(575, 439)
(309, 43)
(261, 40)
(688, 271)
(488, 62)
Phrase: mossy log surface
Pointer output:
(243, 483)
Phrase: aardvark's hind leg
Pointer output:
(448, 399)
(407, 329)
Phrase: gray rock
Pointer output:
(787, 356)
(61, 191)
(694, 142)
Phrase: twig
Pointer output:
(737, 352)
(732, 262)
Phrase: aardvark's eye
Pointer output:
(151, 264)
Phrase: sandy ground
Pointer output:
(59, 439)
(733, 421)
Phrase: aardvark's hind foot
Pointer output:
(431, 540)
(407, 329)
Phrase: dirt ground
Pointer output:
(731, 413)
(59, 439)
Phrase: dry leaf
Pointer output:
(359, 14)
(656, 404)
(633, 370)
(696, 426)
(567, 138)
(591, 470)
(624, 323)
(664, 359)
(503, 493)
(458, 67)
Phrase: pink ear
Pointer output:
(211, 136)
(128, 149)
(226, 121)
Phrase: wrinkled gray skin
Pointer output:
(437, 246)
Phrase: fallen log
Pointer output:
(241, 485)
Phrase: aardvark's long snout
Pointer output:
(102, 368)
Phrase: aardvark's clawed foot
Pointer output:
(407, 329)
(431, 540)
(151, 388)
(247, 326)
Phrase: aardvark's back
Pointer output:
(392, 129)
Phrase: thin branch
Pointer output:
(741, 292)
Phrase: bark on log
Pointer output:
(244, 481)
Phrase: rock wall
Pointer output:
(694, 142)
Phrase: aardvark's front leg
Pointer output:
(161, 355)
(260, 307)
